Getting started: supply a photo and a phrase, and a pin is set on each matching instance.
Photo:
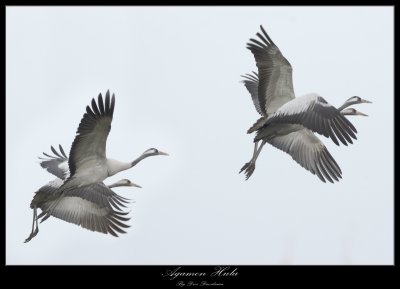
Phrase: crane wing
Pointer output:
(251, 83)
(308, 151)
(275, 73)
(91, 207)
(56, 164)
(315, 113)
(90, 142)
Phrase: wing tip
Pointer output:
(102, 106)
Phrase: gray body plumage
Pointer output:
(94, 207)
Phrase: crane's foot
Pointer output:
(249, 169)
(244, 167)
(33, 234)
(29, 238)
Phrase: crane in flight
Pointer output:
(289, 123)
(78, 195)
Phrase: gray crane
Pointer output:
(288, 122)
(78, 195)
(95, 207)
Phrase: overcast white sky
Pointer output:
(175, 72)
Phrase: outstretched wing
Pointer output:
(90, 142)
(251, 83)
(307, 150)
(93, 207)
(275, 74)
(56, 164)
(315, 113)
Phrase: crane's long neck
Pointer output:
(346, 104)
(139, 159)
(114, 166)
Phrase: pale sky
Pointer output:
(175, 72)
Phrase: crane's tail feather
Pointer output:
(258, 124)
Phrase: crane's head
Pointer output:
(352, 111)
(154, 152)
(124, 183)
(356, 100)
(148, 153)
(128, 183)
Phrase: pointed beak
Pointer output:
(365, 101)
(135, 185)
(162, 153)
(360, 113)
